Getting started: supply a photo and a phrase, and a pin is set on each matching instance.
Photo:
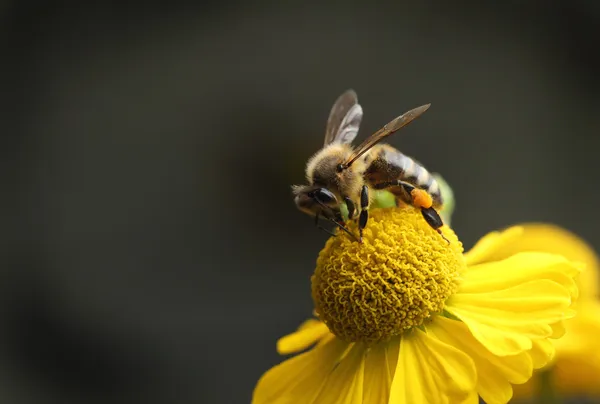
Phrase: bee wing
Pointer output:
(344, 119)
(384, 132)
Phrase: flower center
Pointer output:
(399, 277)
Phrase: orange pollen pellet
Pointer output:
(421, 198)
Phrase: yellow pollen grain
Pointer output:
(400, 276)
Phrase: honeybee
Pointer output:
(340, 173)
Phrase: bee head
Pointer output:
(315, 200)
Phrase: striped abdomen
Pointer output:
(385, 164)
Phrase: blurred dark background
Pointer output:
(152, 250)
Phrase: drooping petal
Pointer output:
(393, 351)
(301, 378)
(432, 371)
(378, 375)
(506, 309)
(308, 333)
(344, 385)
(494, 374)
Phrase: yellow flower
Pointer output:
(576, 366)
(407, 318)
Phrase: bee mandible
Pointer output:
(340, 173)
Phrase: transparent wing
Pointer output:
(344, 119)
(349, 127)
(384, 132)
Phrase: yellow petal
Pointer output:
(308, 333)
(494, 374)
(432, 371)
(576, 365)
(393, 350)
(345, 384)
(505, 321)
(558, 329)
(378, 378)
(484, 249)
(541, 353)
(520, 268)
(300, 378)
(582, 332)
(311, 322)
(542, 238)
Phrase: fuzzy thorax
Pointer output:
(397, 279)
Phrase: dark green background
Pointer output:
(152, 250)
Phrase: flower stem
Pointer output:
(547, 393)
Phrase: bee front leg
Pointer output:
(351, 207)
(364, 210)
(334, 216)
(321, 227)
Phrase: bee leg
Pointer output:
(420, 199)
(338, 221)
(351, 207)
(406, 187)
(321, 227)
(364, 210)
(344, 228)
(434, 220)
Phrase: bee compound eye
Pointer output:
(325, 196)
